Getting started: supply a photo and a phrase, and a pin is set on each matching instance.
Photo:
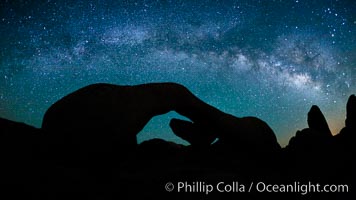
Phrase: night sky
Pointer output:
(269, 59)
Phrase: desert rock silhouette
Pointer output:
(87, 148)
(119, 113)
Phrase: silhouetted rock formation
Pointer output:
(347, 133)
(158, 149)
(351, 112)
(104, 118)
(315, 154)
(99, 117)
(345, 140)
(311, 141)
(196, 135)
(317, 122)
(22, 158)
(8, 128)
(51, 159)
(19, 138)
(317, 135)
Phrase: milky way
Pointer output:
(270, 59)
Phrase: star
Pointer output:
(244, 57)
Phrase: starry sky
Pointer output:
(271, 59)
